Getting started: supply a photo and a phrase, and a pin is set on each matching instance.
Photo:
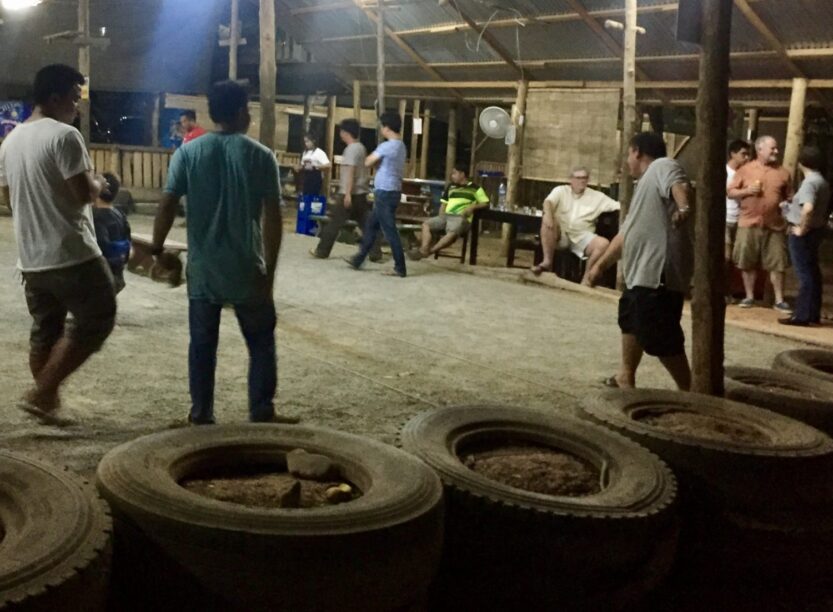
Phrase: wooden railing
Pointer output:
(141, 169)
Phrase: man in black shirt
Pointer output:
(112, 231)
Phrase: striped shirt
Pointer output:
(458, 197)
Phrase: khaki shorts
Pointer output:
(759, 246)
(731, 233)
(450, 224)
(85, 291)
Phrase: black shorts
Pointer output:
(653, 316)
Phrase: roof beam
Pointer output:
(737, 84)
(490, 39)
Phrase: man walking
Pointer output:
(761, 186)
(234, 234)
(47, 176)
(807, 216)
(352, 192)
(658, 262)
(387, 189)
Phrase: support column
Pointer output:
(268, 73)
(514, 161)
(754, 118)
(475, 125)
(708, 306)
(357, 100)
(84, 67)
(426, 141)
(331, 140)
(451, 146)
(380, 66)
(795, 126)
(307, 111)
(415, 142)
(234, 39)
(629, 114)
(154, 120)
(403, 109)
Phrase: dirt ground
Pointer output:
(358, 352)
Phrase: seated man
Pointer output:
(570, 215)
(461, 198)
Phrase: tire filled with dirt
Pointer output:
(186, 536)
(752, 482)
(800, 397)
(544, 511)
(816, 363)
(55, 536)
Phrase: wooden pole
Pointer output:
(451, 146)
(754, 118)
(307, 113)
(403, 109)
(84, 67)
(234, 39)
(629, 115)
(514, 161)
(795, 125)
(357, 100)
(708, 306)
(415, 141)
(426, 141)
(154, 120)
(380, 65)
(475, 125)
(331, 141)
(268, 73)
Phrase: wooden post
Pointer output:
(331, 141)
(154, 120)
(415, 141)
(234, 39)
(426, 141)
(403, 109)
(380, 63)
(357, 100)
(754, 118)
(795, 125)
(708, 306)
(268, 73)
(307, 111)
(451, 146)
(84, 67)
(475, 125)
(514, 161)
(629, 115)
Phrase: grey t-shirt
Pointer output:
(354, 155)
(816, 191)
(654, 251)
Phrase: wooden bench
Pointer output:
(168, 269)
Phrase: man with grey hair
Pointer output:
(569, 221)
(761, 186)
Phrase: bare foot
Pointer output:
(538, 269)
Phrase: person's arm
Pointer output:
(612, 254)
(102, 236)
(681, 193)
(609, 204)
(272, 236)
(372, 159)
(737, 190)
(321, 160)
(84, 187)
(347, 173)
(481, 200)
(804, 224)
(165, 215)
(548, 218)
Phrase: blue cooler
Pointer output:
(309, 205)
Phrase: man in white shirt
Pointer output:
(569, 221)
(738, 155)
(47, 175)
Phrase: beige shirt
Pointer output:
(577, 214)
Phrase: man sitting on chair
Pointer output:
(461, 198)
(570, 215)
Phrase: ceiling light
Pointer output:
(14, 5)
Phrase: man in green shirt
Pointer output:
(234, 234)
(461, 198)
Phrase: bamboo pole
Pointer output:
(403, 109)
(754, 118)
(475, 125)
(451, 146)
(307, 113)
(708, 306)
(426, 141)
(154, 120)
(514, 160)
(357, 100)
(415, 141)
(234, 40)
(84, 67)
(380, 61)
(629, 117)
(268, 73)
(795, 125)
(331, 141)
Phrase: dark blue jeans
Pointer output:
(383, 216)
(257, 322)
(804, 252)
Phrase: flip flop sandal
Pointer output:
(47, 418)
(538, 269)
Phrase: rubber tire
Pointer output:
(806, 362)
(378, 552)
(740, 386)
(790, 473)
(55, 554)
(511, 547)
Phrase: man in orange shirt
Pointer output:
(190, 128)
(761, 186)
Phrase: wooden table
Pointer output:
(519, 222)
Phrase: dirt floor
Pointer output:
(358, 352)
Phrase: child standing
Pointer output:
(112, 231)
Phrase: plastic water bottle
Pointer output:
(501, 197)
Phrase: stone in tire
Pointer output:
(800, 397)
(808, 362)
(55, 536)
(779, 486)
(377, 552)
(508, 548)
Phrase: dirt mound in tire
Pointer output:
(702, 426)
(537, 469)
